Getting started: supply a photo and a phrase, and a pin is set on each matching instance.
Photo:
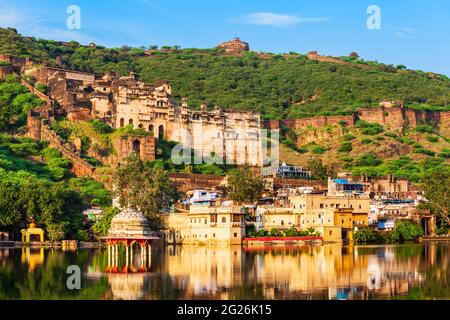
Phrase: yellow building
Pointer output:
(277, 218)
(205, 224)
(318, 211)
(350, 221)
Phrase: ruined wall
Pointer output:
(48, 103)
(39, 130)
(145, 147)
(4, 71)
(398, 118)
(186, 182)
(305, 122)
(80, 167)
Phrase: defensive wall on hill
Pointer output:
(395, 118)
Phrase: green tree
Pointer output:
(405, 231)
(144, 188)
(367, 235)
(320, 171)
(244, 185)
(101, 227)
(437, 190)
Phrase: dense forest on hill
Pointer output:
(278, 86)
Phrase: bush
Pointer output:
(250, 230)
(318, 150)
(405, 231)
(368, 160)
(367, 235)
(101, 127)
(346, 147)
(275, 233)
(432, 139)
(369, 129)
(421, 150)
(349, 137)
(423, 128)
(366, 141)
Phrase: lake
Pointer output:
(331, 271)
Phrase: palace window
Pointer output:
(224, 220)
(235, 235)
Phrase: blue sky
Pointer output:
(413, 32)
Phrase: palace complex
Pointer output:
(232, 136)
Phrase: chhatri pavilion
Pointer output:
(129, 228)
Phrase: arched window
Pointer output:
(161, 132)
(122, 122)
(151, 129)
(130, 121)
(224, 220)
(137, 147)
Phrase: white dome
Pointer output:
(129, 224)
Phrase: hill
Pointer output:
(368, 149)
(277, 85)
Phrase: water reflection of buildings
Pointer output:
(330, 271)
(309, 272)
(205, 271)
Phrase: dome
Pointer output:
(129, 224)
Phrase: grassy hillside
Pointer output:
(370, 149)
(281, 86)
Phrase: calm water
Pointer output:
(322, 272)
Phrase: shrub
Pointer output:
(318, 150)
(349, 137)
(347, 159)
(250, 230)
(101, 127)
(369, 129)
(346, 147)
(422, 150)
(367, 235)
(368, 160)
(424, 128)
(366, 141)
(405, 231)
(445, 153)
(432, 138)
(275, 233)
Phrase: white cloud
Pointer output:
(400, 32)
(32, 25)
(276, 20)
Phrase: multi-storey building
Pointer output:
(230, 137)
